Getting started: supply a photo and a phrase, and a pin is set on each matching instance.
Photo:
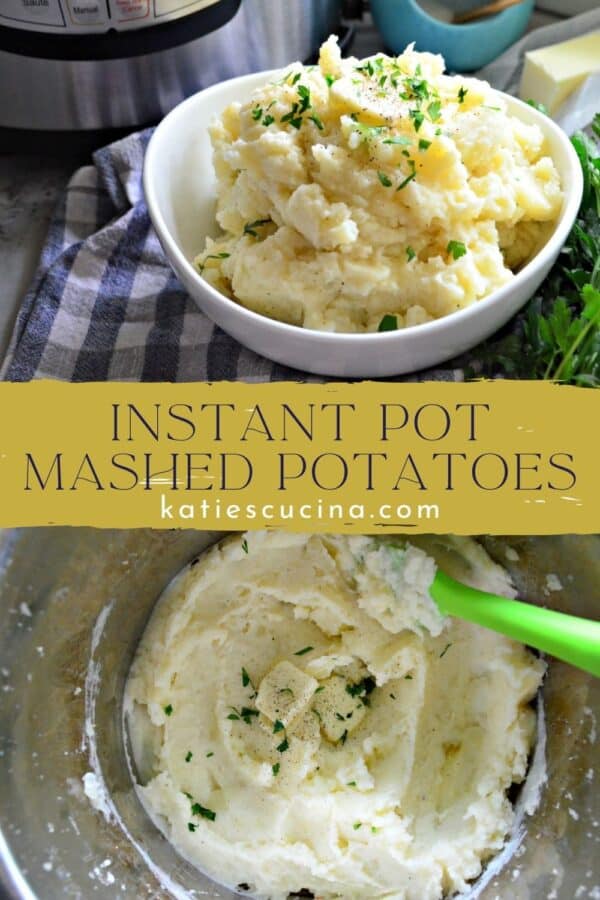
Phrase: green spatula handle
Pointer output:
(574, 640)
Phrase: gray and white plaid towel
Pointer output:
(105, 305)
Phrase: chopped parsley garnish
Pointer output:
(384, 179)
(344, 737)
(339, 717)
(275, 769)
(388, 323)
(416, 89)
(199, 810)
(351, 784)
(209, 754)
(424, 145)
(374, 830)
(246, 680)
(188, 756)
(462, 93)
(317, 713)
(296, 78)
(278, 726)
(191, 826)
(434, 110)
(246, 714)
(399, 139)
(363, 689)
(410, 177)
(368, 68)
(410, 253)
(257, 113)
(283, 746)
(268, 120)
(445, 650)
(250, 228)
(303, 651)
(286, 690)
(295, 116)
(319, 689)
(201, 269)
(168, 709)
(418, 117)
(357, 825)
(368, 132)
(456, 249)
(408, 678)
(304, 94)
(392, 696)
(330, 79)
(292, 117)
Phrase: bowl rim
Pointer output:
(571, 203)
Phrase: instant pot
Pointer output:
(95, 64)
(73, 605)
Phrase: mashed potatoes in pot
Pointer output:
(303, 718)
(372, 195)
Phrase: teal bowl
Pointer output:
(464, 47)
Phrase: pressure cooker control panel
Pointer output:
(81, 16)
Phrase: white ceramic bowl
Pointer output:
(179, 183)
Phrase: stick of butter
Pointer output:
(551, 74)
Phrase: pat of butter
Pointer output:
(338, 711)
(285, 692)
(551, 74)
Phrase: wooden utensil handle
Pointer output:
(490, 9)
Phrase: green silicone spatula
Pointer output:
(574, 640)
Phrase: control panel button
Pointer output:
(32, 12)
(127, 10)
(87, 12)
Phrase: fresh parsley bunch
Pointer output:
(557, 336)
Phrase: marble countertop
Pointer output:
(30, 185)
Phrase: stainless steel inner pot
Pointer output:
(67, 595)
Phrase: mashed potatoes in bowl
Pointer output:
(364, 196)
(302, 718)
